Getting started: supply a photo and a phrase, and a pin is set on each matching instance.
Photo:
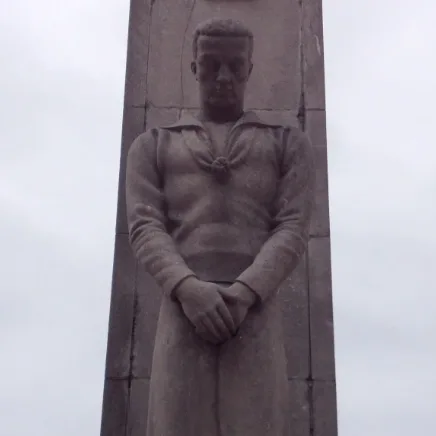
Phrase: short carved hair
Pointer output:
(222, 27)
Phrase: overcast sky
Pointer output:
(61, 85)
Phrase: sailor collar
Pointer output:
(247, 118)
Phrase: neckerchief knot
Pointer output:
(220, 168)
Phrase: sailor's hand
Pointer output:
(238, 298)
(204, 306)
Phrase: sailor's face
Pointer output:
(222, 69)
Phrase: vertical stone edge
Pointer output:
(316, 126)
(138, 408)
(313, 54)
(115, 400)
(324, 409)
(316, 130)
(135, 92)
(138, 47)
(299, 408)
(133, 126)
(294, 297)
(122, 307)
(321, 310)
(121, 310)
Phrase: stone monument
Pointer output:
(226, 228)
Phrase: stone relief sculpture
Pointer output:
(218, 208)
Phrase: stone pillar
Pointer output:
(287, 82)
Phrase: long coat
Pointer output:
(184, 220)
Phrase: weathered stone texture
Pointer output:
(138, 408)
(133, 125)
(286, 117)
(316, 129)
(313, 54)
(294, 295)
(299, 409)
(320, 223)
(276, 79)
(121, 310)
(147, 311)
(321, 310)
(159, 87)
(324, 409)
(115, 403)
(160, 116)
(137, 53)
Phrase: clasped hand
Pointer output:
(215, 311)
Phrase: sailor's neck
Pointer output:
(219, 116)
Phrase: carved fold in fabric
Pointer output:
(219, 166)
(196, 140)
(220, 169)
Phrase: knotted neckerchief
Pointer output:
(234, 153)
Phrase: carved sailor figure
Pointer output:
(218, 208)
